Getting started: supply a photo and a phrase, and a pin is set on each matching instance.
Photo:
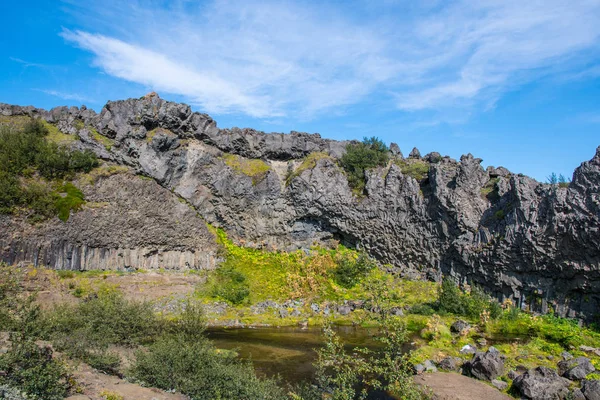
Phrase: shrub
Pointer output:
(198, 370)
(231, 285)
(102, 319)
(33, 370)
(25, 153)
(452, 300)
(422, 309)
(363, 373)
(359, 157)
(417, 169)
(350, 270)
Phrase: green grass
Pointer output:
(255, 169)
(279, 276)
(70, 198)
(56, 136)
(15, 121)
(104, 171)
(414, 168)
(490, 190)
(309, 162)
(108, 143)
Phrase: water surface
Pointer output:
(288, 351)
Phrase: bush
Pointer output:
(231, 285)
(363, 373)
(102, 319)
(359, 157)
(198, 370)
(25, 153)
(452, 300)
(350, 270)
(33, 370)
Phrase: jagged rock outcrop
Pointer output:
(535, 243)
(127, 223)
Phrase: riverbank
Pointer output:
(526, 341)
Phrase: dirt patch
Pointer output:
(96, 385)
(142, 286)
(451, 386)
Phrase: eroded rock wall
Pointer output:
(536, 243)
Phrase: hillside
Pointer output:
(420, 216)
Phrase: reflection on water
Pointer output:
(288, 352)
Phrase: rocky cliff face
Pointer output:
(535, 243)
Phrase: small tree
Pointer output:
(359, 157)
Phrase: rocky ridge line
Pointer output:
(535, 243)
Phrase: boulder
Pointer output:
(461, 327)
(486, 366)
(429, 366)
(498, 384)
(566, 355)
(591, 389)
(576, 368)
(344, 310)
(450, 363)
(542, 383)
(415, 153)
(433, 157)
(468, 349)
(577, 394)
(395, 151)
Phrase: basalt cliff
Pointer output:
(538, 244)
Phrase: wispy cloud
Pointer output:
(27, 63)
(66, 95)
(274, 59)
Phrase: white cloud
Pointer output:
(66, 95)
(273, 59)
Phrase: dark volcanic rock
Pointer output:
(515, 237)
(576, 368)
(591, 389)
(486, 366)
(542, 383)
(460, 327)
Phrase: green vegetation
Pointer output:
(415, 168)
(351, 270)
(70, 199)
(309, 163)
(247, 276)
(255, 169)
(108, 143)
(230, 285)
(490, 190)
(173, 351)
(362, 372)
(197, 369)
(32, 168)
(359, 157)
(56, 136)
(472, 304)
(25, 365)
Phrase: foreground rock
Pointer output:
(486, 366)
(502, 231)
(451, 386)
(591, 390)
(542, 383)
(576, 368)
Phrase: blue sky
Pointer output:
(515, 83)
